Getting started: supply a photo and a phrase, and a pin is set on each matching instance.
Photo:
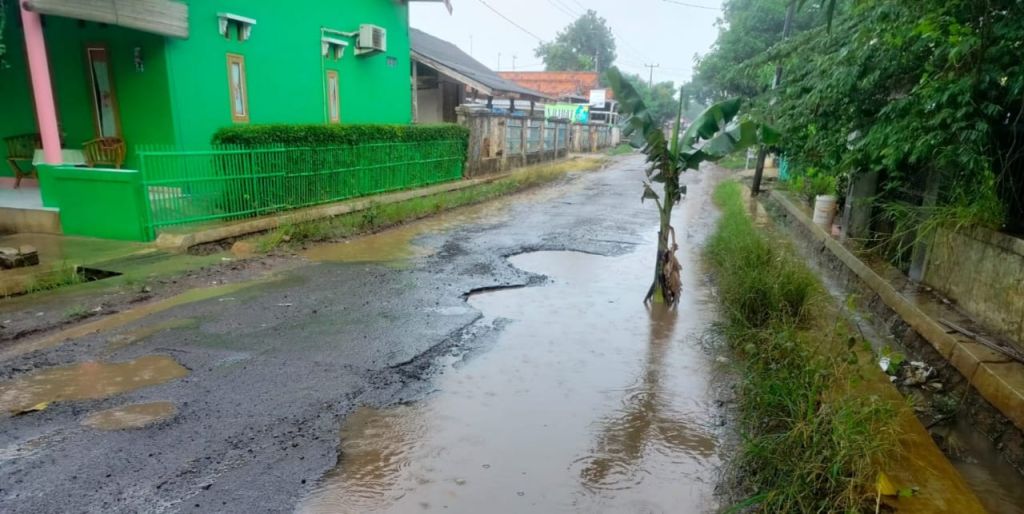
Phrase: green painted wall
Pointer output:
(102, 203)
(284, 67)
(143, 97)
(181, 96)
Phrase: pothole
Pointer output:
(92, 380)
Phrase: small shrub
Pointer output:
(314, 135)
(813, 182)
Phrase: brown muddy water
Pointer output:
(90, 380)
(587, 402)
(995, 481)
(131, 416)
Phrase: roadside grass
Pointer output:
(66, 275)
(621, 149)
(381, 216)
(810, 443)
(76, 311)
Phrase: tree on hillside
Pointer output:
(586, 44)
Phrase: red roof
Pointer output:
(556, 84)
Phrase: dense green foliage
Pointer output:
(807, 445)
(586, 44)
(902, 88)
(312, 135)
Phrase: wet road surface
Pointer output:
(406, 371)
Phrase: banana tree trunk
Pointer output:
(662, 290)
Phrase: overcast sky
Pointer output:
(660, 32)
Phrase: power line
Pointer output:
(568, 8)
(695, 6)
(514, 24)
(562, 8)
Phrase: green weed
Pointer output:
(76, 311)
(622, 149)
(807, 445)
(66, 275)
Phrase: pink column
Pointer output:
(42, 89)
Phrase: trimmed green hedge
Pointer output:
(313, 135)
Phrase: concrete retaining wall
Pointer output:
(990, 386)
(983, 271)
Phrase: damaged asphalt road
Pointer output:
(274, 368)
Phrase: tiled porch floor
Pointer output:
(21, 198)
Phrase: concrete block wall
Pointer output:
(500, 142)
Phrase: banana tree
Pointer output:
(719, 131)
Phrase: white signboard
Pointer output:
(597, 97)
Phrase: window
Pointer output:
(332, 48)
(104, 100)
(232, 23)
(333, 98)
(237, 89)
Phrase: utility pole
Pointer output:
(514, 62)
(471, 45)
(762, 153)
(499, 62)
(650, 77)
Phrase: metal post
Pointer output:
(650, 77)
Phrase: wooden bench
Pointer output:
(105, 150)
(22, 148)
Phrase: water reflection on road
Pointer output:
(588, 401)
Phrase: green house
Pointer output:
(131, 74)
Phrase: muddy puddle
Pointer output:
(586, 402)
(87, 381)
(136, 415)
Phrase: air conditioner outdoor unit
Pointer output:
(372, 39)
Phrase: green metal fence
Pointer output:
(226, 183)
